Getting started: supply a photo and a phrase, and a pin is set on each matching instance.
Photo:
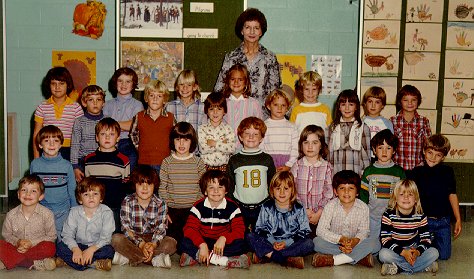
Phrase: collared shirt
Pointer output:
(94, 231)
(335, 222)
(140, 221)
(63, 116)
(39, 227)
(224, 136)
(122, 108)
(193, 113)
(313, 183)
(411, 137)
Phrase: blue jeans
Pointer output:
(262, 247)
(59, 219)
(422, 262)
(440, 229)
(236, 248)
(62, 251)
(126, 147)
(358, 252)
(374, 237)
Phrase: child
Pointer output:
(188, 106)
(437, 187)
(83, 132)
(373, 102)
(406, 241)
(179, 177)
(123, 108)
(281, 139)
(250, 170)
(58, 109)
(378, 181)
(411, 128)
(310, 111)
(88, 230)
(151, 128)
(28, 230)
(57, 175)
(143, 218)
(349, 137)
(313, 174)
(216, 138)
(344, 226)
(237, 90)
(282, 230)
(214, 231)
(109, 166)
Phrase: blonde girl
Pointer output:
(406, 241)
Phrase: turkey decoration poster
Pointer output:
(81, 65)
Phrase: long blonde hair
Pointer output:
(400, 187)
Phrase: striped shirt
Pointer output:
(313, 183)
(411, 137)
(140, 221)
(83, 137)
(205, 222)
(63, 116)
(281, 139)
(400, 231)
(179, 180)
(193, 113)
(306, 114)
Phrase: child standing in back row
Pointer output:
(373, 102)
(123, 108)
(349, 137)
(310, 111)
(411, 128)
(281, 138)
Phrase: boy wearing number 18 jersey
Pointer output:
(250, 171)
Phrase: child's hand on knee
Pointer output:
(76, 255)
(203, 253)
(219, 246)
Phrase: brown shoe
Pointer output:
(103, 264)
(367, 261)
(257, 260)
(296, 262)
(320, 260)
(59, 262)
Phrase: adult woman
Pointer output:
(261, 63)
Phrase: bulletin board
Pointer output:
(203, 29)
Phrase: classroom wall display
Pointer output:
(382, 34)
(379, 9)
(153, 18)
(291, 67)
(380, 62)
(458, 92)
(422, 37)
(389, 85)
(424, 11)
(459, 64)
(461, 10)
(461, 149)
(89, 18)
(330, 69)
(458, 121)
(421, 65)
(460, 35)
(428, 90)
(153, 60)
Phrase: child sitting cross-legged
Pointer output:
(88, 229)
(344, 226)
(282, 230)
(214, 232)
(143, 218)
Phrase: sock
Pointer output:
(342, 259)
(218, 260)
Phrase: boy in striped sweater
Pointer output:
(214, 232)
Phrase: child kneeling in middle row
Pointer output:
(214, 231)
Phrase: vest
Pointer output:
(153, 145)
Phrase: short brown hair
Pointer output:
(215, 99)
(211, 176)
(183, 130)
(319, 132)
(285, 178)
(31, 179)
(159, 86)
(439, 143)
(49, 131)
(89, 184)
(407, 90)
(251, 14)
(60, 74)
(374, 92)
(107, 123)
(254, 122)
(145, 174)
(346, 177)
(92, 90)
(122, 71)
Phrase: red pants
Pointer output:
(12, 258)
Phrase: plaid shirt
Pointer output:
(140, 221)
(411, 136)
(193, 114)
(313, 183)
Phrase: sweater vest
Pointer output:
(153, 145)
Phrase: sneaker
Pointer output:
(433, 268)
(119, 259)
(367, 261)
(320, 260)
(59, 262)
(103, 264)
(297, 262)
(2, 265)
(45, 264)
(257, 260)
(162, 260)
(241, 261)
(186, 260)
(389, 269)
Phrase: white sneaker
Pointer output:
(162, 260)
(389, 269)
(45, 264)
(119, 259)
(433, 268)
(218, 260)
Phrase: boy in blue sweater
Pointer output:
(57, 175)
